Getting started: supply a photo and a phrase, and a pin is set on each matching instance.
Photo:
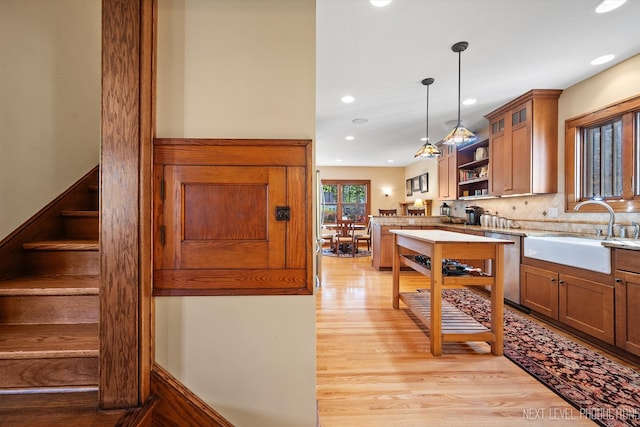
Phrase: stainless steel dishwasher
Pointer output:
(511, 266)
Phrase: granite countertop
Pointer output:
(616, 242)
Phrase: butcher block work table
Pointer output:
(445, 322)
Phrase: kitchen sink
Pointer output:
(580, 252)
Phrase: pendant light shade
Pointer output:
(428, 150)
(459, 134)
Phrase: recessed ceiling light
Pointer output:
(338, 160)
(602, 59)
(389, 161)
(423, 139)
(609, 5)
(469, 101)
(347, 99)
(359, 121)
(349, 138)
(380, 3)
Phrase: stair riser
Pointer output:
(64, 262)
(49, 309)
(81, 228)
(81, 371)
(61, 398)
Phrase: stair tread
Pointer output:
(63, 245)
(49, 341)
(51, 285)
(80, 213)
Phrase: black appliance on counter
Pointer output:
(473, 215)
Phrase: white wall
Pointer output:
(239, 69)
(50, 102)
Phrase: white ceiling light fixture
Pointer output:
(609, 5)
(428, 150)
(349, 138)
(380, 3)
(459, 134)
(347, 99)
(602, 59)
(469, 101)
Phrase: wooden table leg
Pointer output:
(395, 292)
(435, 328)
(497, 303)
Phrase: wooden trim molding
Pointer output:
(625, 109)
(125, 159)
(178, 406)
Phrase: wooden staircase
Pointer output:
(49, 315)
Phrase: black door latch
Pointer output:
(282, 213)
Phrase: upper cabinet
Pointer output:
(447, 173)
(523, 144)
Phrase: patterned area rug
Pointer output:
(360, 253)
(601, 389)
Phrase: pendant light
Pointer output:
(459, 134)
(428, 150)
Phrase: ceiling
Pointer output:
(381, 55)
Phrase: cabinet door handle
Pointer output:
(618, 280)
(561, 282)
(552, 279)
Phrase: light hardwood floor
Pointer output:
(374, 367)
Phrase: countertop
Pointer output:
(616, 242)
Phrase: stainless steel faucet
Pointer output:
(636, 229)
(612, 215)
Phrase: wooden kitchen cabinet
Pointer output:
(627, 292)
(447, 173)
(578, 302)
(473, 169)
(232, 217)
(539, 290)
(523, 144)
(587, 306)
(382, 244)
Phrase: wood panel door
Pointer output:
(497, 155)
(587, 306)
(232, 220)
(627, 297)
(539, 290)
(520, 178)
(223, 216)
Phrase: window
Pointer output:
(346, 199)
(602, 160)
(602, 152)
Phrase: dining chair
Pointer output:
(328, 237)
(419, 211)
(345, 240)
(365, 237)
(387, 212)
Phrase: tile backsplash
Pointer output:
(534, 212)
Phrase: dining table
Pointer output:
(334, 227)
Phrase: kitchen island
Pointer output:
(444, 321)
